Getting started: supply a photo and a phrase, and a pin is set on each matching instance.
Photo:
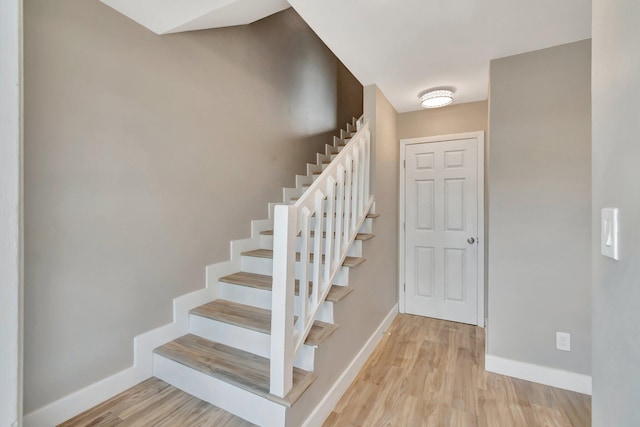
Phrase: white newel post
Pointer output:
(284, 261)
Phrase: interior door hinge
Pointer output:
(404, 164)
(405, 287)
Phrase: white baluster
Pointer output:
(329, 233)
(348, 191)
(305, 219)
(339, 213)
(284, 249)
(355, 191)
(317, 247)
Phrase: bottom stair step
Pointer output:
(239, 368)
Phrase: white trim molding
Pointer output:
(143, 345)
(329, 401)
(539, 374)
(11, 213)
(479, 137)
(77, 402)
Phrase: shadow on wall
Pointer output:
(274, 40)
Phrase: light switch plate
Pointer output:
(609, 233)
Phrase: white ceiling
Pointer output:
(403, 46)
(407, 46)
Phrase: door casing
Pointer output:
(479, 137)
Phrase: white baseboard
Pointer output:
(77, 402)
(539, 374)
(329, 401)
(81, 400)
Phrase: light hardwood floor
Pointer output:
(429, 372)
(155, 403)
(425, 372)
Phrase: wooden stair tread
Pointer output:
(240, 368)
(268, 253)
(246, 316)
(252, 280)
(359, 236)
(320, 331)
(264, 282)
(256, 319)
(337, 293)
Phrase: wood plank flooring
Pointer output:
(429, 372)
(155, 403)
(424, 373)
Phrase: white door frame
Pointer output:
(479, 137)
(11, 213)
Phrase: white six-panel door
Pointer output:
(441, 230)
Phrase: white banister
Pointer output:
(326, 218)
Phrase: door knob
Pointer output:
(471, 240)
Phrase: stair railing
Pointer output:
(341, 196)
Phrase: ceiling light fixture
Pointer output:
(436, 98)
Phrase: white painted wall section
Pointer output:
(171, 16)
(10, 213)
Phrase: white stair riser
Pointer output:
(288, 193)
(367, 226)
(265, 266)
(303, 179)
(262, 299)
(244, 339)
(247, 405)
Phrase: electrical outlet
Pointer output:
(563, 341)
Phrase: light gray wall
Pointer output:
(616, 178)
(145, 156)
(10, 214)
(539, 207)
(456, 118)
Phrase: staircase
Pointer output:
(251, 349)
